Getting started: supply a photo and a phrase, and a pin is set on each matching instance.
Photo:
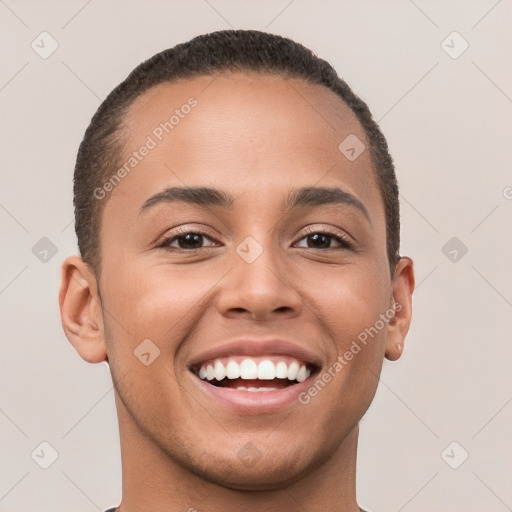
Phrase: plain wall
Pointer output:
(448, 124)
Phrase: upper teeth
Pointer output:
(249, 369)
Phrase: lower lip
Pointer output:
(253, 402)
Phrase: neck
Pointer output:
(154, 481)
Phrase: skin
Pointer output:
(255, 137)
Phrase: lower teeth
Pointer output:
(243, 388)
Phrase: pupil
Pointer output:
(190, 240)
(319, 241)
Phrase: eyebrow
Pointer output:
(202, 196)
(317, 196)
(306, 196)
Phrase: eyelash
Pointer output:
(182, 232)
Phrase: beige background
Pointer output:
(447, 121)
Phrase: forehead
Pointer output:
(245, 132)
(256, 103)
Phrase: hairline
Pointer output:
(121, 138)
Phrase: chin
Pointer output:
(252, 470)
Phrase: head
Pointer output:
(235, 199)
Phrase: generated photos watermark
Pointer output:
(357, 345)
(152, 140)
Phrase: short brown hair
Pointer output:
(101, 149)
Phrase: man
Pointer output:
(237, 219)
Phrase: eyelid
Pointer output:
(181, 231)
(345, 239)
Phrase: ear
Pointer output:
(81, 310)
(403, 287)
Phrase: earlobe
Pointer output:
(403, 288)
(80, 310)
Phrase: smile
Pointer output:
(254, 374)
(253, 377)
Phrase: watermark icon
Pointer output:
(454, 45)
(454, 249)
(44, 455)
(454, 455)
(157, 135)
(249, 250)
(342, 360)
(44, 45)
(507, 193)
(44, 250)
(351, 147)
(146, 352)
(249, 455)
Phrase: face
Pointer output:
(249, 295)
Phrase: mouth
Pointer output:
(254, 374)
(253, 377)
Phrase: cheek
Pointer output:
(349, 306)
(158, 303)
(150, 312)
(152, 303)
(350, 302)
(346, 385)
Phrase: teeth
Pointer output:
(303, 374)
(219, 371)
(256, 390)
(281, 370)
(266, 370)
(249, 369)
(293, 371)
(232, 370)
(243, 388)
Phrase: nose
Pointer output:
(261, 290)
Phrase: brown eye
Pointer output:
(319, 241)
(188, 241)
(323, 240)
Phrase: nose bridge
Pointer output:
(259, 284)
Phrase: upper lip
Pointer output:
(258, 347)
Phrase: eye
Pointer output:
(324, 239)
(188, 240)
(193, 240)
